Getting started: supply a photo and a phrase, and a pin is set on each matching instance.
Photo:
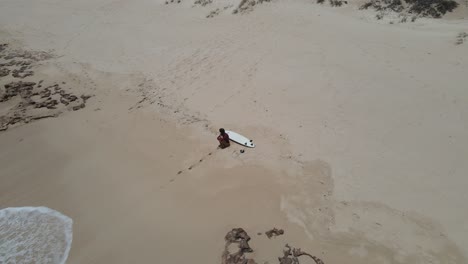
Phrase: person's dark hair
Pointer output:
(221, 130)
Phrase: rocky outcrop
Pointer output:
(247, 5)
(28, 101)
(411, 8)
(240, 237)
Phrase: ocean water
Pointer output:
(34, 235)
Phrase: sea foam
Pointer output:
(34, 235)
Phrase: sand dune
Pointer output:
(360, 130)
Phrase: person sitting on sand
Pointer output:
(223, 139)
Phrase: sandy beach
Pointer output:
(360, 128)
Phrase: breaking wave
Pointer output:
(34, 235)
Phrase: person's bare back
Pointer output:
(223, 139)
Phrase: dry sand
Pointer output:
(361, 131)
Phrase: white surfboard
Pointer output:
(238, 138)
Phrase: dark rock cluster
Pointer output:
(31, 96)
(2, 48)
(247, 5)
(240, 237)
(334, 3)
(4, 72)
(291, 256)
(213, 13)
(461, 38)
(28, 100)
(413, 8)
(203, 2)
(173, 1)
(22, 72)
(18, 62)
(24, 89)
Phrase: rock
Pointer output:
(14, 120)
(461, 38)
(14, 88)
(4, 72)
(32, 95)
(240, 237)
(51, 104)
(247, 5)
(203, 2)
(291, 256)
(64, 101)
(213, 13)
(22, 73)
(46, 93)
(274, 232)
(78, 107)
(71, 98)
(85, 97)
(3, 47)
(417, 8)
